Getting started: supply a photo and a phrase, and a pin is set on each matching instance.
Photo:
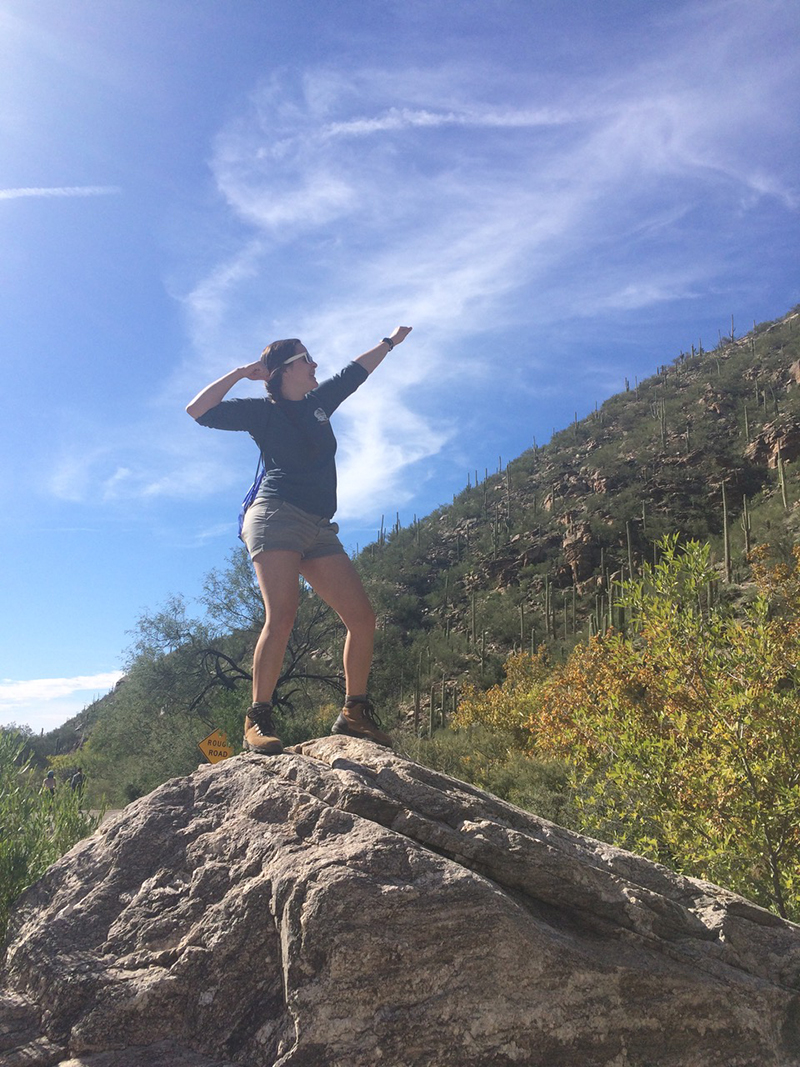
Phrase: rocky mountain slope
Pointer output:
(340, 905)
(530, 553)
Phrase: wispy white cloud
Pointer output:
(72, 476)
(167, 465)
(61, 190)
(46, 703)
(380, 440)
(632, 296)
(16, 694)
(211, 297)
(468, 204)
(399, 119)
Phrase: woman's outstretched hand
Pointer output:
(399, 333)
(370, 360)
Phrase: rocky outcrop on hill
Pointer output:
(580, 550)
(340, 905)
(780, 438)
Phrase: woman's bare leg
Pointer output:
(336, 580)
(278, 574)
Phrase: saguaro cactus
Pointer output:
(782, 480)
(726, 538)
(745, 521)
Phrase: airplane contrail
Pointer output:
(66, 190)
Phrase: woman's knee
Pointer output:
(278, 624)
(362, 621)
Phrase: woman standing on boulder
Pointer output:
(288, 529)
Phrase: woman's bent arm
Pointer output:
(370, 360)
(209, 397)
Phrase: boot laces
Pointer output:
(261, 717)
(367, 710)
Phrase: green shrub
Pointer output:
(36, 828)
(493, 760)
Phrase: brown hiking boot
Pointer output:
(358, 719)
(259, 733)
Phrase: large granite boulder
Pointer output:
(340, 906)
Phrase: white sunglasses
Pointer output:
(302, 355)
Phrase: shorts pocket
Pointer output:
(266, 509)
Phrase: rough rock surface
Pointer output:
(774, 439)
(580, 551)
(340, 905)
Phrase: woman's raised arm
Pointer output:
(209, 397)
(370, 360)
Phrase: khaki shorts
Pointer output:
(273, 523)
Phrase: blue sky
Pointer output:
(557, 195)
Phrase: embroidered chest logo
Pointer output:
(320, 415)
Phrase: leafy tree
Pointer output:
(187, 676)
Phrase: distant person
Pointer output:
(288, 529)
(49, 784)
(76, 782)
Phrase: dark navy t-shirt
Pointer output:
(295, 438)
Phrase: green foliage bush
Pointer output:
(492, 759)
(682, 736)
(36, 828)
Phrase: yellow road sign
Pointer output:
(215, 747)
